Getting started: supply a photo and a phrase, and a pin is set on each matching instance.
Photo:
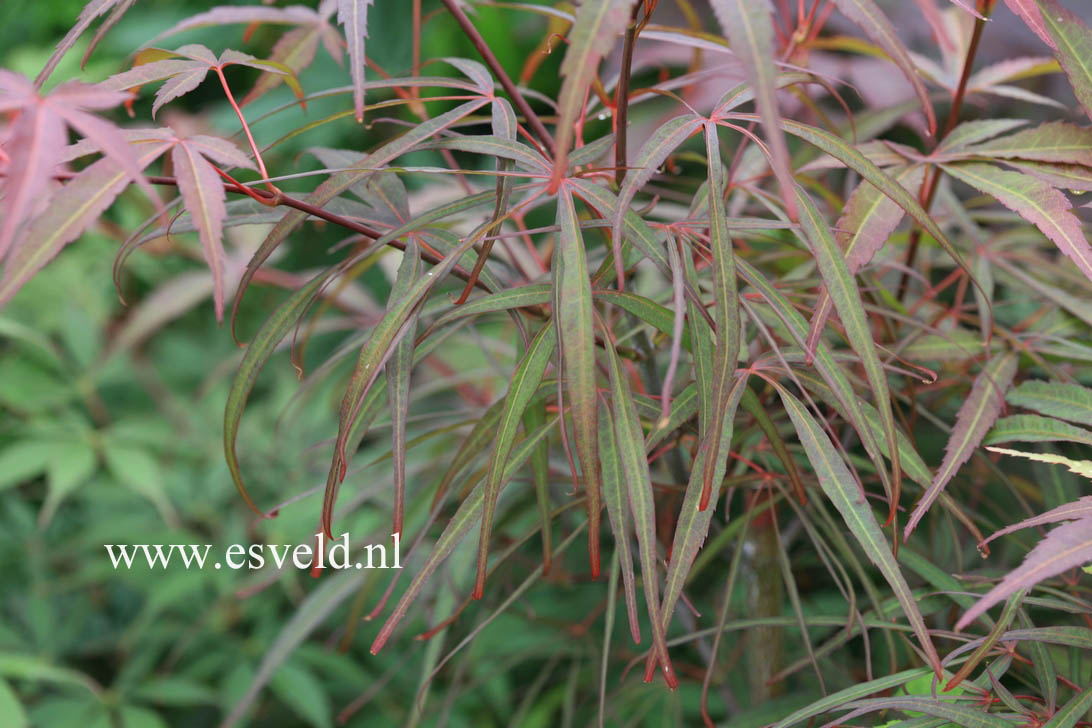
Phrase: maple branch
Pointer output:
(494, 65)
(621, 98)
(275, 199)
(929, 192)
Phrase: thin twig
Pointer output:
(929, 192)
(494, 65)
(281, 199)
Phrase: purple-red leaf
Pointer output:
(71, 211)
(1035, 201)
(37, 141)
(973, 421)
(1065, 547)
(202, 193)
(1028, 11)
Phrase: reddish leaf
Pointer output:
(203, 195)
(37, 141)
(1066, 547)
(973, 421)
(71, 211)
(1028, 11)
(1035, 201)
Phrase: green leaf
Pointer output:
(866, 223)
(847, 302)
(30, 667)
(594, 31)
(726, 320)
(1032, 428)
(273, 330)
(576, 343)
(467, 514)
(855, 692)
(25, 459)
(338, 183)
(311, 612)
(839, 486)
(525, 382)
(692, 526)
(1072, 712)
(303, 693)
(961, 715)
(1055, 141)
(1073, 48)
(69, 467)
(975, 417)
(11, 708)
(748, 25)
(398, 370)
(618, 516)
(373, 355)
(1071, 402)
(136, 468)
(631, 451)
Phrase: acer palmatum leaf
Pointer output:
(37, 141)
(185, 68)
(203, 196)
(353, 16)
(70, 211)
(1065, 547)
(92, 10)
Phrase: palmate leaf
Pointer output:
(748, 24)
(1065, 547)
(72, 210)
(973, 421)
(576, 344)
(204, 198)
(353, 17)
(595, 30)
(1035, 201)
(1072, 42)
(294, 50)
(185, 68)
(35, 143)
